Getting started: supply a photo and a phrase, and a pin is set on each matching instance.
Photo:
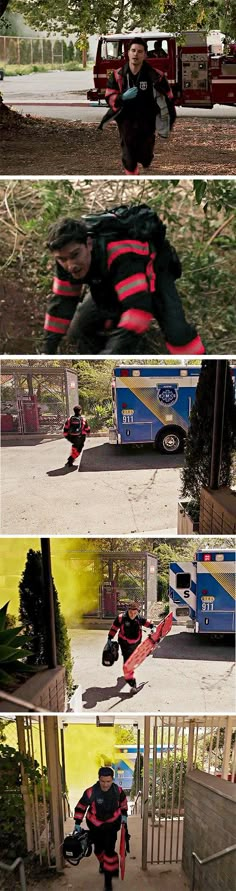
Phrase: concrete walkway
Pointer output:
(85, 877)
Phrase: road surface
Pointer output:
(115, 491)
(186, 674)
(71, 87)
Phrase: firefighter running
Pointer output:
(141, 101)
(75, 430)
(131, 281)
(105, 807)
(129, 628)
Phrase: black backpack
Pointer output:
(136, 221)
(75, 425)
(128, 221)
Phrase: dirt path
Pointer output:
(45, 147)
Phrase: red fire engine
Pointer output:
(200, 75)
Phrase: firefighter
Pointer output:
(159, 52)
(76, 429)
(129, 286)
(129, 628)
(132, 94)
(105, 807)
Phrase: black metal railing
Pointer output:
(18, 864)
(210, 859)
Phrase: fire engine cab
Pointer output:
(200, 75)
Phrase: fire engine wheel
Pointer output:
(170, 441)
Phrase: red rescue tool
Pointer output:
(147, 646)
(122, 851)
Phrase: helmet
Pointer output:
(76, 846)
(110, 653)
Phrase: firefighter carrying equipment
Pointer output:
(76, 846)
(101, 807)
(110, 653)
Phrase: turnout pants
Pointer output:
(137, 144)
(77, 444)
(104, 839)
(127, 649)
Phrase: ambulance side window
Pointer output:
(183, 580)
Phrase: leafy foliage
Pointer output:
(196, 472)
(13, 651)
(12, 838)
(117, 15)
(201, 223)
(174, 769)
(32, 613)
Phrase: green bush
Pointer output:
(198, 447)
(169, 774)
(13, 651)
(32, 613)
(12, 836)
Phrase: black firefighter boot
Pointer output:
(132, 683)
(107, 882)
(70, 461)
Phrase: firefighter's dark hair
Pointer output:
(140, 41)
(106, 772)
(64, 231)
(77, 409)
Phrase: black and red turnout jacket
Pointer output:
(101, 807)
(144, 107)
(124, 278)
(76, 426)
(129, 630)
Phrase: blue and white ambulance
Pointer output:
(152, 403)
(202, 592)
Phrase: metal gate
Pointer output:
(173, 746)
(37, 398)
(41, 785)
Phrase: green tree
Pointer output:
(117, 15)
(198, 448)
(32, 614)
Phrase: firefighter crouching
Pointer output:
(130, 282)
(105, 807)
(129, 628)
(76, 429)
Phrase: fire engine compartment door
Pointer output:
(195, 80)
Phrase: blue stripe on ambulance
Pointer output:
(177, 596)
(215, 611)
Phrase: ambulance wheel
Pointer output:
(170, 441)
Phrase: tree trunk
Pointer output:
(120, 20)
(3, 6)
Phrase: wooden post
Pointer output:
(190, 744)
(54, 775)
(147, 722)
(24, 787)
(227, 747)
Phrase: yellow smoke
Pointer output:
(87, 748)
(12, 562)
(76, 569)
(77, 572)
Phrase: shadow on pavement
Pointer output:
(109, 457)
(93, 695)
(62, 471)
(28, 439)
(191, 646)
